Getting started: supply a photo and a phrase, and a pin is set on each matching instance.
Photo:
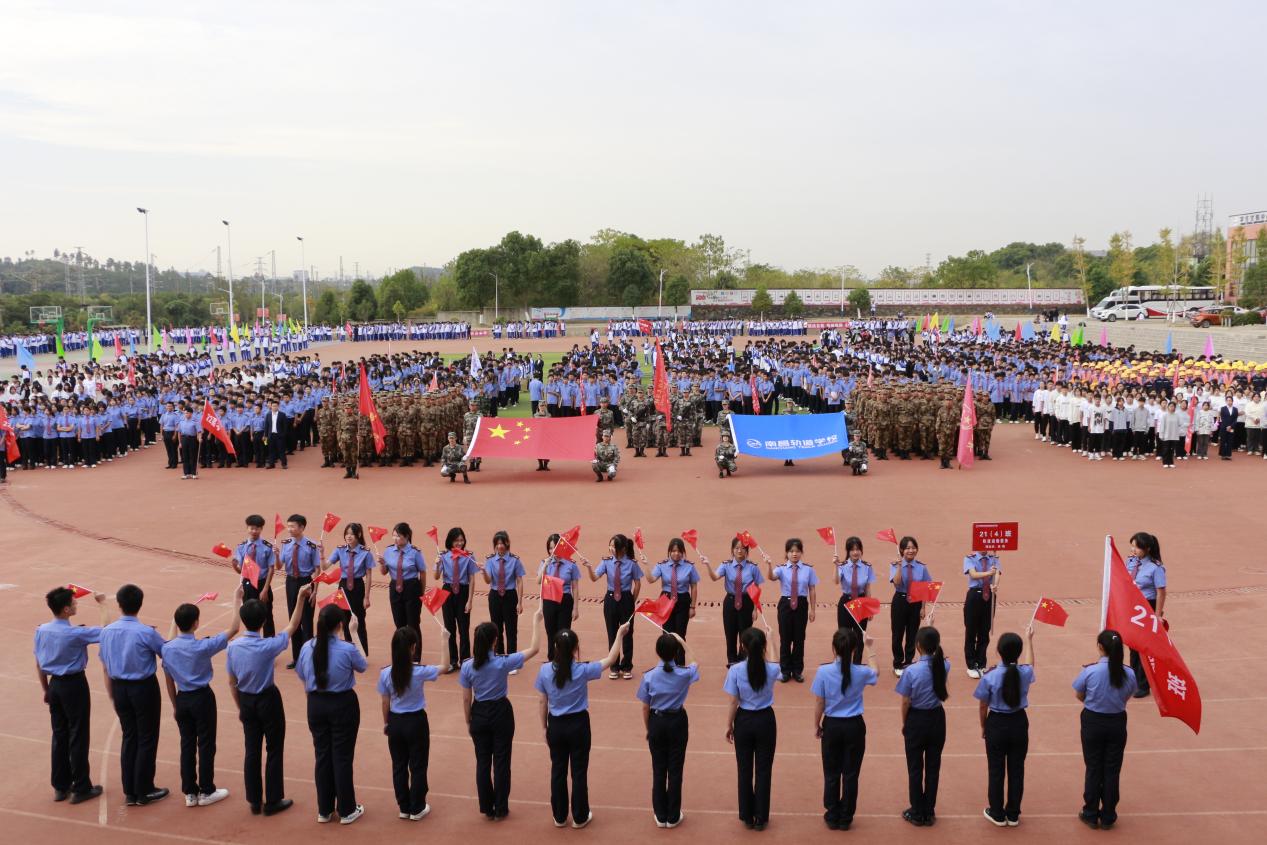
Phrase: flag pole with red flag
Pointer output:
(211, 422)
(367, 409)
(967, 425)
(660, 388)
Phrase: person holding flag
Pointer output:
(356, 577)
(559, 578)
(300, 559)
(983, 573)
(454, 569)
(504, 573)
(406, 572)
(741, 577)
(679, 581)
(1104, 688)
(752, 727)
(254, 560)
(1004, 695)
(856, 577)
(838, 723)
(904, 615)
(1149, 574)
(624, 580)
(797, 582)
(923, 689)
(405, 721)
(663, 692)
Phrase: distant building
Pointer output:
(1249, 226)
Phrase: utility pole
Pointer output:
(340, 269)
(303, 273)
(229, 256)
(356, 269)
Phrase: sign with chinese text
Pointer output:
(995, 536)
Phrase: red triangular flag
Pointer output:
(434, 534)
(222, 550)
(211, 422)
(923, 591)
(460, 553)
(206, 597)
(756, 396)
(331, 521)
(754, 593)
(435, 382)
(278, 525)
(337, 599)
(658, 610)
(551, 588)
(887, 535)
(330, 576)
(1050, 612)
(660, 389)
(567, 543)
(376, 533)
(747, 539)
(366, 407)
(638, 540)
(828, 535)
(863, 607)
(251, 570)
(967, 424)
(691, 536)
(434, 599)
(78, 591)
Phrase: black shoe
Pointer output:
(832, 824)
(758, 825)
(278, 807)
(909, 815)
(747, 823)
(1106, 825)
(845, 825)
(1142, 693)
(798, 677)
(256, 809)
(784, 678)
(81, 797)
(60, 794)
(151, 797)
(290, 665)
(599, 479)
(1089, 820)
(930, 820)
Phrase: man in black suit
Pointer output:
(276, 428)
(1227, 429)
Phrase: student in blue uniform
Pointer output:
(678, 578)
(128, 652)
(261, 551)
(563, 684)
(187, 668)
(624, 580)
(406, 572)
(188, 430)
(797, 582)
(856, 577)
(504, 574)
(983, 573)
(559, 614)
(752, 727)
(905, 616)
(249, 665)
(299, 558)
(1004, 696)
(61, 654)
(737, 574)
(1103, 687)
(838, 723)
(1149, 574)
(663, 693)
(923, 689)
(454, 569)
(490, 719)
(328, 667)
(405, 722)
(357, 565)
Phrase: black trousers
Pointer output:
(678, 621)
(263, 718)
(977, 618)
(1137, 665)
(844, 744)
(189, 454)
(792, 624)
(667, 734)
(355, 593)
(409, 742)
(925, 736)
(735, 621)
(70, 709)
(614, 613)
(138, 705)
(170, 439)
(493, 734)
(1006, 744)
(406, 608)
(276, 450)
(904, 620)
(293, 586)
(569, 740)
(756, 734)
(557, 616)
(195, 713)
(457, 622)
(844, 619)
(1103, 747)
(251, 591)
(334, 718)
(503, 613)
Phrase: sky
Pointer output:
(807, 134)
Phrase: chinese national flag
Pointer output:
(1126, 611)
(435, 382)
(434, 534)
(1050, 612)
(567, 543)
(12, 452)
(367, 409)
(660, 388)
(206, 597)
(887, 535)
(434, 599)
(828, 535)
(691, 536)
(278, 525)
(376, 533)
(923, 591)
(131, 373)
(754, 593)
(551, 588)
(78, 591)
(212, 423)
(330, 576)
(331, 520)
(644, 327)
(251, 570)
(118, 347)
(967, 424)
(337, 598)
(863, 607)
(747, 539)
(756, 396)
(222, 550)
(638, 539)
(658, 610)
(558, 439)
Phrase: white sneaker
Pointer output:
(659, 823)
(513, 672)
(421, 814)
(578, 825)
(557, 823)
(681, 817)
(323, 819)
(974, 673)
(191, 800)
(897, 673)
(400, 815)
(213, 797)
(353, 816)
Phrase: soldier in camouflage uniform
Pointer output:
(628, 406)
(724, 456)
(606, 419)
(543, 464)
(409, 417)
(347, 440)
(880, 412)
(927, 423)
(789, 408)
(660, 433)
(606, 458)
(905, 423)
(682, 433)
(391, 421)
(695, 403)
(365, 441)
(451, 462)
(328, 431)
(469, 421)
(947, 431)
(637, 417)
(985, 426)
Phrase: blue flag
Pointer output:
(25, 358)
(1027, 331)
(992, 330)
(1170, 343)
(783, 436)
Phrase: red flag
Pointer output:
(376, 533)
(754, 593)
(12, 451)
(131, 373)
(887, 535)
(278, 525)
(118, 347)
(918, 591)
(967, 424)
(337, 599)
(347, 327)
(658, 610)
(691, 536)
(828, 535)
(562, 438)
(863, 607)
(1017, 334)
(567, 543)
(78, 591)
(638, 540)
(331, 521)
(222, 550)
(756, 397)
(206, 597)
(434, 534)
(1050, 612)
(551, 588)
(1126, 611)
(251, 570)
(660, 388)
(212, 423)
(747, 539)
(645, 327)
(1192, 415)
(367, 409)
(581, 389)
(330, 576)
(435, 382)
(434, 599)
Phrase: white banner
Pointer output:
(890, 297)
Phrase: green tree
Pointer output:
(726, 280)
(361, 302)
(860, 300)
(761, 301)
(973, 270)
(328, 309)
(398, 310)
(792, 305)
(629, 276)
(1121, 260)
(896, 277)
(404, 287)
(1161, 265)
(677, 291)
(1254, 286)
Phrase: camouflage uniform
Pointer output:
(391, 440)
(927, 425)
(905, 424)
(469, 420)
(408, 436)
(347, 440)
(606, 459)
(660, 433)
(682, 433)
(328, 432)
(606, 421)
(637, 419)
(724, 456)
(985, 426)
(451, 462)
(696, 402)
(947, 432)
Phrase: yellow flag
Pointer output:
(233, 331)
(1055, 333)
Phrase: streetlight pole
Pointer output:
(1029, 287)
(303, 275)
(842, 293)
(497, 287)
(228, 235)
(149, 325)
(659, 309)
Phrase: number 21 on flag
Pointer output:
(1142, 614)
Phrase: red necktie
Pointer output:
(853, 583)
(501, 576)
(400, 565)
(795, 585)
(985, 584)
(738, 584)
(294, 560)
(347, 570)
(673, 579)
(616, 569)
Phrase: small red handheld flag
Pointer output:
(638, 540)
(434, 599)
(658, 610)
(1051, 613)
(78, 591)
(337, 599)
(551, 588)
(434, 534)
(206, 597)
(331, 521)
(923, 591)
(376, 533)
(887, 535)
(567, 543)
(747, 539)
(222, 550)
(251, 570)
(754, 593)
(691, 536)
(828, 535)
(863, 607)
(330, 576)
(278, 525)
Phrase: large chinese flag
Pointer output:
(660, 388)
(212, 423)
(546, 438)
(1125, 610)
(368, 410)
(967, 424)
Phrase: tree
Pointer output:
(712, 249)
(404, 287)
(1080, 268)
(1254, 286)
(473, 274)
(361, 303)
(896, 277)
(398, 310)
(1161, 265)
(328, 310)
(1216, 263)
(761, 301)
(860, 300)
(629, 276)
(677, 291)
(1121, 260)
(726, 280)
(973, 270)
(792, 305)
(1235, 258)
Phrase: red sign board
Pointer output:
(995, 536)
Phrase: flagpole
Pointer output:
(1104, 585)
(1034, 615)
(936, 598)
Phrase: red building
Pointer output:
(1247, 226)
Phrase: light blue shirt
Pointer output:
(826, 685)
(750, 574)
(564, 569)
(866, 575)
(916, 684)
(1100, 694)
(627, 570)
(749, 699)
(412, 699)
(302, 557)
(506, 566)
(345, 661)
(250, 660)
(464, 566)
(1150, 577)
(990, 688)
(354, 562)
(62, 648)
(685, 572)
(488, 683)
(917, 570)
(188, 659)
(661, 690)
(409, 559)
(804, 575)
(979, 562)
(572, 697)
(129, 649)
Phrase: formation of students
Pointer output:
(329, 648)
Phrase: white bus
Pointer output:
(1160, 300)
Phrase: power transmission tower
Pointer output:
(1204, 226)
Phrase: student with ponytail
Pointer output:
(752, 727)
(489, 717)
(327, 667)
(564, 687)
(838, 688)
(663, 693)
(1004, 694)
(1103, 687)
(738, 574)
(405, 722)
(923, 689)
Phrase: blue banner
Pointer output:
(783, 436)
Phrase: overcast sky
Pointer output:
(811, 134)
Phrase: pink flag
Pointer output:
(967, 424)
(1209, 346)
(1104, 336)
